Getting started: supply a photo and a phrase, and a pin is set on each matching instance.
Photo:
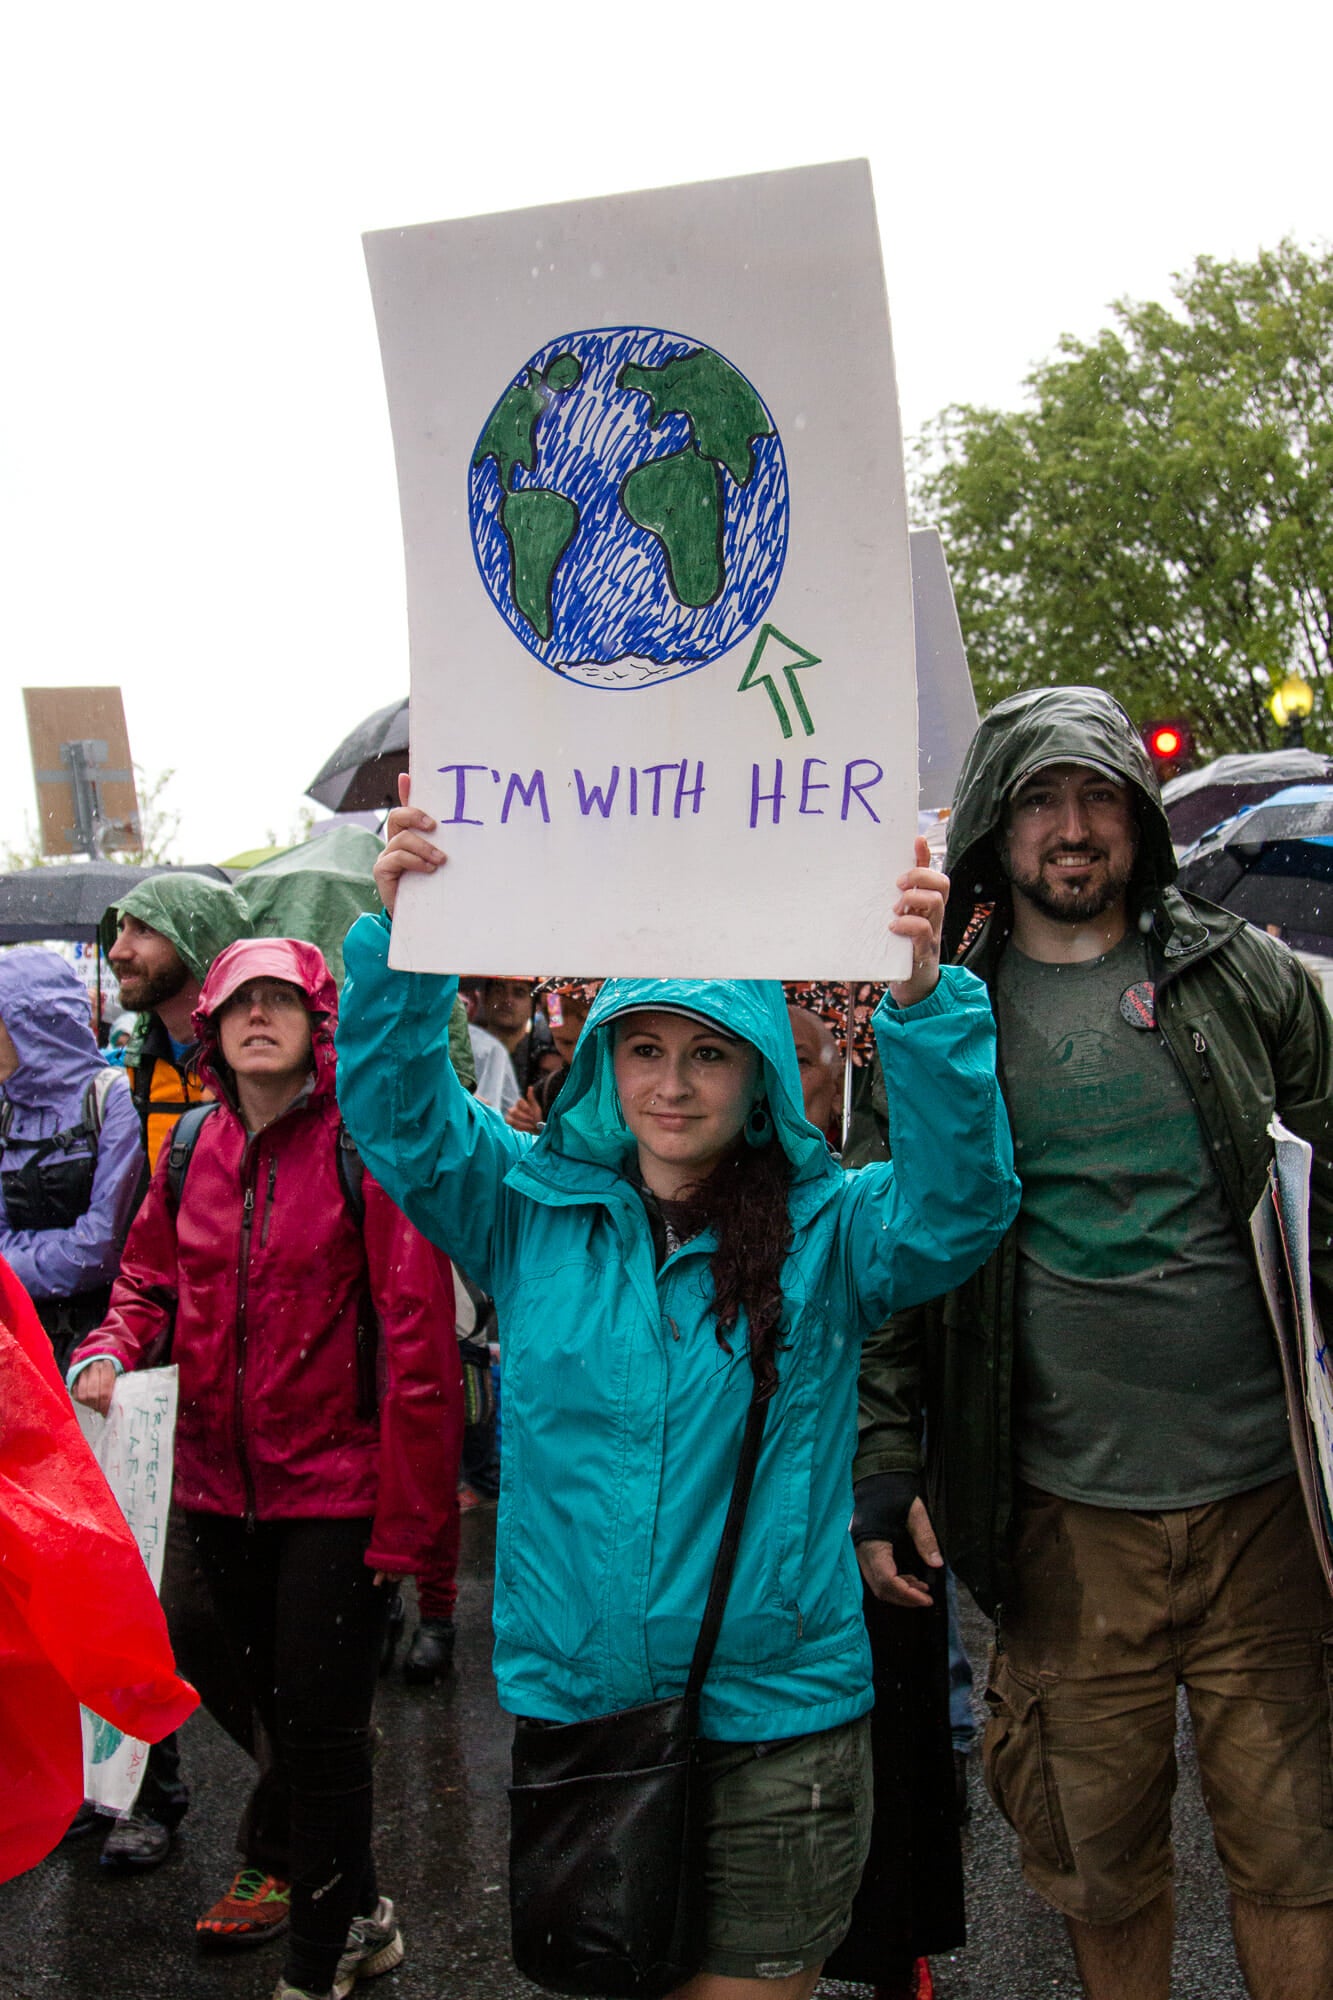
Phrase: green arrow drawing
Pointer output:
(764, 664)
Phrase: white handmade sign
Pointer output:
(1280, 1231)
(663, 686)
(134, 1444)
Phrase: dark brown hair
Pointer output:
(745, 1200)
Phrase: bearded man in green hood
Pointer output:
(1108, 1457)
(163, 936)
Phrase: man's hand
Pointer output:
(408, 851)
(525, 1115)
(881, 1572)
(93, 1386)
(918, 914)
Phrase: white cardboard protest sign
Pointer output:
(1280, 1231)
(135, 1446)
(660, 601)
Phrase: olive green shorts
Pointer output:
(786, 1830)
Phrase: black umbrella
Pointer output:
(1201, 799)
(67, 900)
(1273, 865)
(362, 773)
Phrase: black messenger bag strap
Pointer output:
(725, 1565)
(603, 1855)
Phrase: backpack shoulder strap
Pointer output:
(184, 1138)
(100, 1086)
(352, 1176)
(88, 1128)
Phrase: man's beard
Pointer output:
(1073, 906)
(146, 990)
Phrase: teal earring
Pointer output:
(758, 1126)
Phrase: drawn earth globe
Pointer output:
(628, 505)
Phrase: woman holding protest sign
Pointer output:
(683, 1275)
(320, 1410)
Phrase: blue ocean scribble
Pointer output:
(628, 505)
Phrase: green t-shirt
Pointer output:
(1148, 1374)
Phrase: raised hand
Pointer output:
(918, 914)
(408, 852)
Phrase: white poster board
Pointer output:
(659, 595)
(1280, 1230)
(134, 1443)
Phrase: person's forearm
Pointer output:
(889, 1397)
(441, 1156)
(58, 1263)
(923, 1222)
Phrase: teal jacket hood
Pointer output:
(586, 1122)
(1020, 736)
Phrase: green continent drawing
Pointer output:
(679, 500)
(107, 1739)
(628, 504)
(539, 525)
(725, 414)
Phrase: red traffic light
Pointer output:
(1170, 744)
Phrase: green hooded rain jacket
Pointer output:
(1250, 1033)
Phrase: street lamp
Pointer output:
(1291, 706)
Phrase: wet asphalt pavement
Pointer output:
(70, 1932)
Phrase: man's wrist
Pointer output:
(883, 1502)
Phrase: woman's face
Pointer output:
(264, 1030)
(686, 1090)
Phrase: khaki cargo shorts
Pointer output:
(1112, 1611)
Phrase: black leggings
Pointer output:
(301, 1609)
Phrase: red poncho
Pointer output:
(79, 1618)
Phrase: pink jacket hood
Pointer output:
(301, 965)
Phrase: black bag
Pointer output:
(603, 1866)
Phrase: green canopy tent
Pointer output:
(316, 892)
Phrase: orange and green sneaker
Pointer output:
(256, 1907)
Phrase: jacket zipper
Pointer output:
(242, 1292)
(268, 1201)
(1199, 1044)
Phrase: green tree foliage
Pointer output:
(1159, 519)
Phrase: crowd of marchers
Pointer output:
(967, 1262)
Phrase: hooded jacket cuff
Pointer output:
(87, 1362)
(949, 989)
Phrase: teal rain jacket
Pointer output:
(623, 1414)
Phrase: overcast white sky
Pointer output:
(198, 497)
